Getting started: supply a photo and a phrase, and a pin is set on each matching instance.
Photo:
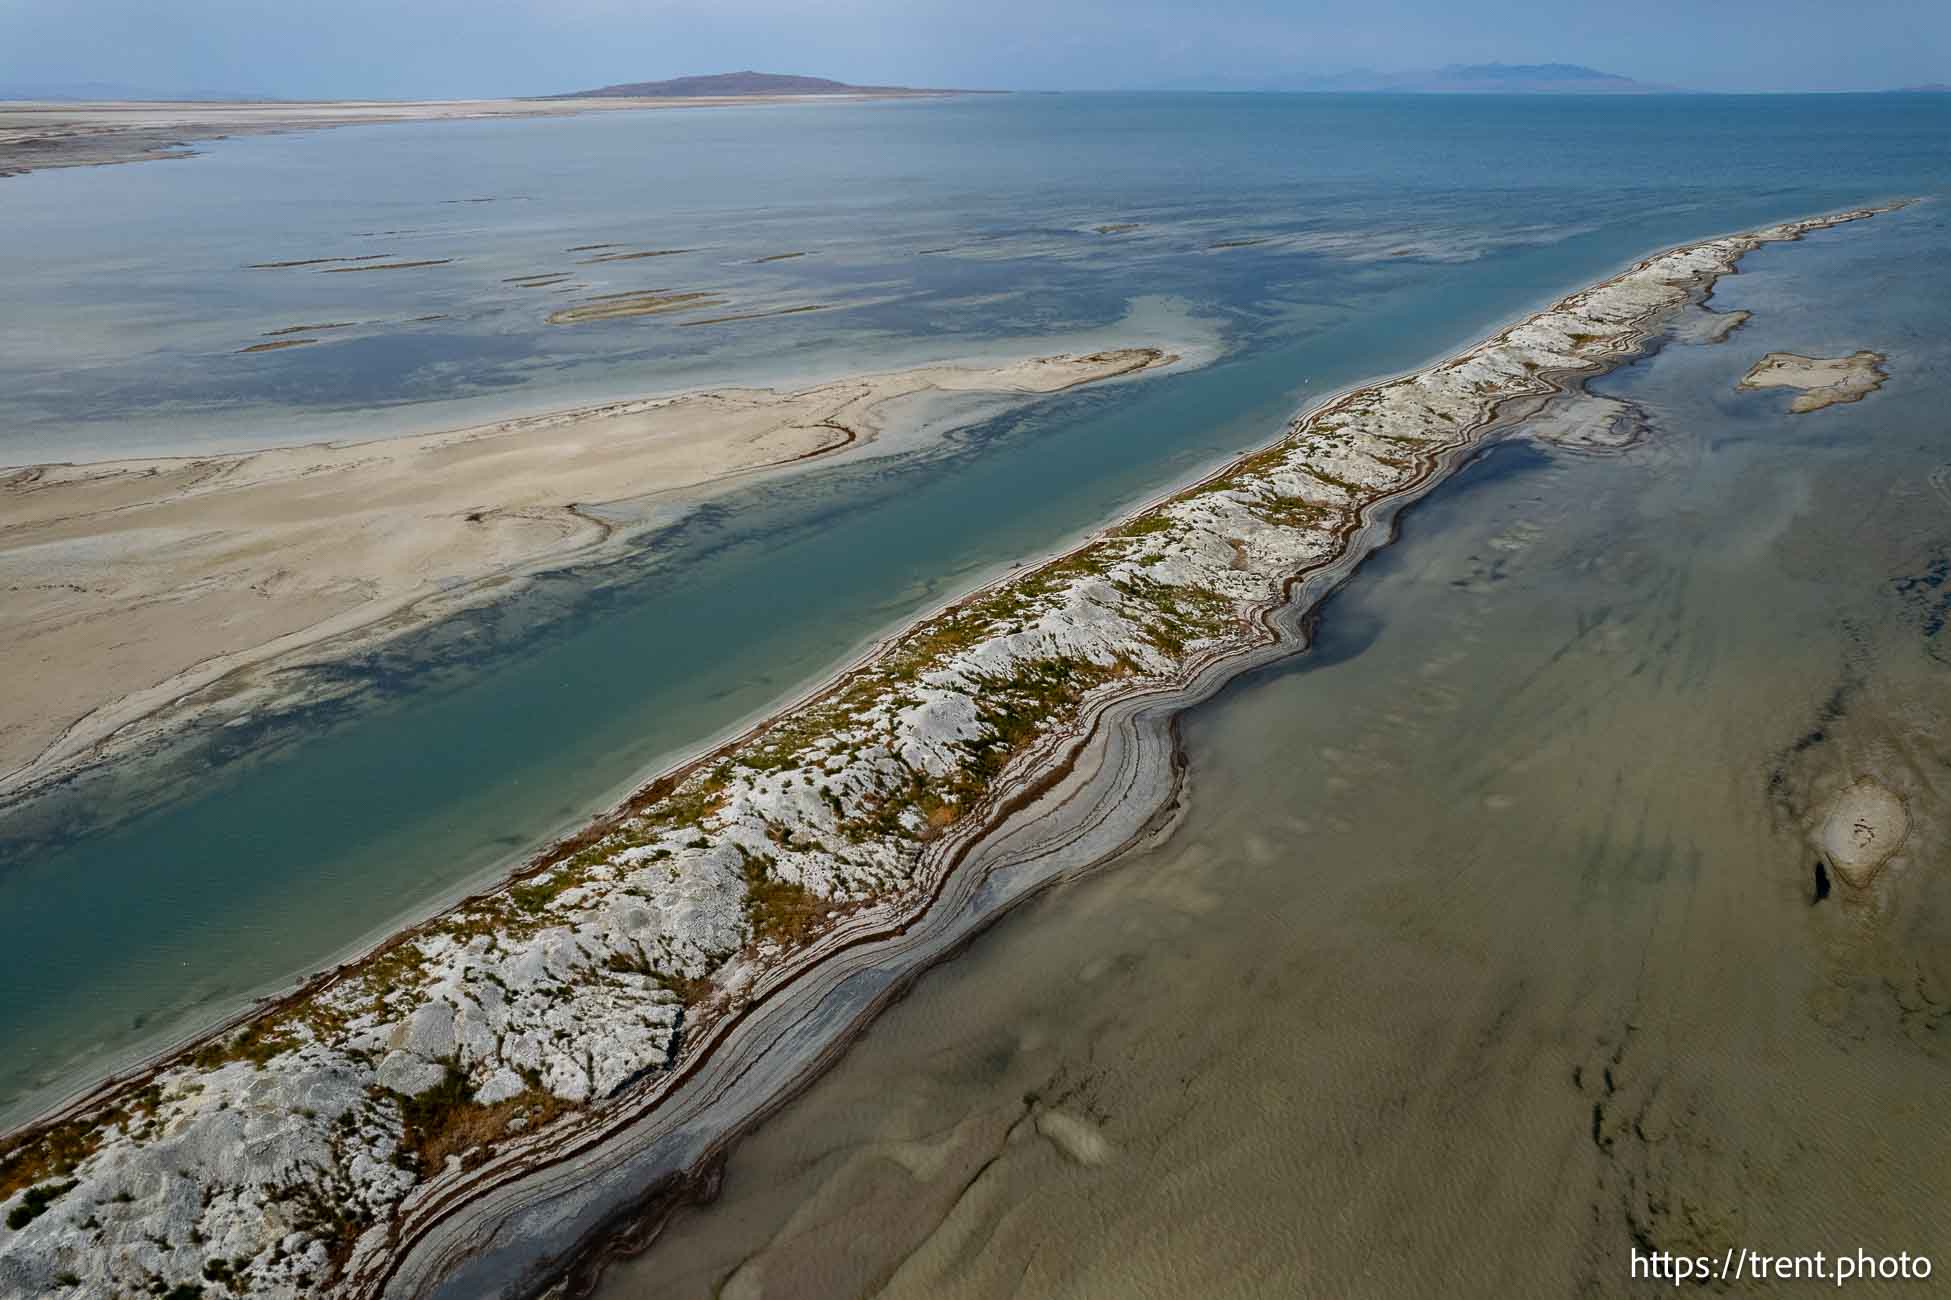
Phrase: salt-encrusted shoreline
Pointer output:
(459, 1111)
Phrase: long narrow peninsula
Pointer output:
(377, 1129)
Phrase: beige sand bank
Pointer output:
(35, 135)
(1822, 381)
(130, 584)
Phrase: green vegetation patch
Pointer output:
(33, 1205)
(780, 911)
(56, 1150)
(322, 1214)
(1295, 512)
(446, 1120)
(257, 1042)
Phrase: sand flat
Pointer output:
(36, 135)
(1820, 381)
(132, 583)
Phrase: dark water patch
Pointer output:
(1927, 599)
(1342, 627)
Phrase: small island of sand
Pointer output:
(1823, 381)
(1865, 827)
(132, 584)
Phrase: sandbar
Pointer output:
(131, 583)
(387, 266)
(1822, 381)
(35, 135)
(637, 256)
(615, 306)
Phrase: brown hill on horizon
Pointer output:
(740, 83)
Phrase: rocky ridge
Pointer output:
(277, 1157)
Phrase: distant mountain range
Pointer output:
(1452, 79)
(1523, 78)
(739, 83)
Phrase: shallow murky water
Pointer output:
(1492, 945)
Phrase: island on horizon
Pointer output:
(725, 84)
(1450, 79)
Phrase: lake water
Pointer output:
(1490, 947)
(1303, 243)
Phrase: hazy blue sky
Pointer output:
(413, 48)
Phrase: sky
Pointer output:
(456, 48)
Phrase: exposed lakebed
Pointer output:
(1501, 915)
